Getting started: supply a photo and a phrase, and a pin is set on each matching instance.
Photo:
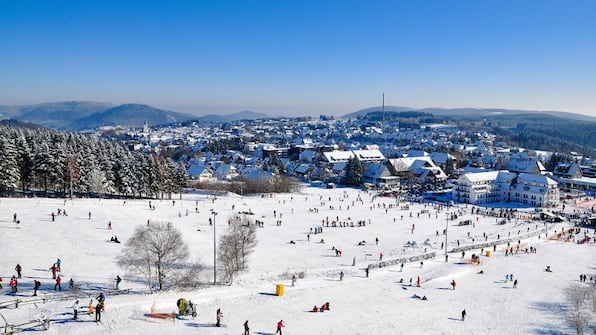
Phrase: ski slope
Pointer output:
(359, 305)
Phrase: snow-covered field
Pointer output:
(359, 305)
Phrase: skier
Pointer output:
(58, 263)
(453, 283)
(0, 283)
(280, 325)
(71, 284)
(75, 309)
(463, 315)
(515, 283)
(54, 268)
(219, 315)
(18, 269)
(118, 280)
(246, 329)
(341, 275)
(293, 280)
(36, 285)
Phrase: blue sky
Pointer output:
(301, 57)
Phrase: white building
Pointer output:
(535, 190)
(483, 187)
(505, 186)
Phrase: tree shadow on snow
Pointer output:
(263, 333)
(69, 320)
(268, 293)
(548, 332)
(555, 311)
(199, 325)
(454, 319)
(444, 288)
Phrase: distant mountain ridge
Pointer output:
(478, 113)
(85, 115)
(244, 115)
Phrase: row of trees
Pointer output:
(61, 162)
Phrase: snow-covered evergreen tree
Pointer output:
(8, 165)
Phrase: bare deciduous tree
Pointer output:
(154, 251)
(235, 246)
(577, 313)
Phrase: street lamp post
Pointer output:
(214, 250)
(446, 226)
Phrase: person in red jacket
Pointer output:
(280, 325)
(453, 284)
(58, 281)
(13, 284)
(54, 269)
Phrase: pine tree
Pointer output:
(354, 172)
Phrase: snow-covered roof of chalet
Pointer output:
(525, 165)
(567, 169)
(420, 166)
(472, 169)
(291, 167)
(416, 153)
(304, 142)
(369, 155)
(256, 174)
(339, 166)
(308, 154)
(302, 168)
(225, 169)
(375, 170)
(440, 157)
(371, 147)
(500, 176)
(406, 163)
(338, 156)
(535, 179)
(196, 169)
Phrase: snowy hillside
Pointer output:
(382, 303)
